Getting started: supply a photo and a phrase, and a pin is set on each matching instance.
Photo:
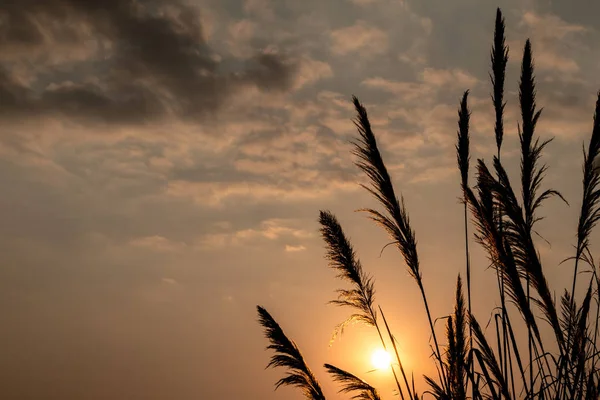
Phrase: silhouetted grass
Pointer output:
(493, 365)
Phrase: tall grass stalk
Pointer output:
(394, 219)
(463, 158)
(361, 297)
(499, 60)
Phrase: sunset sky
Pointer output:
(163, 163)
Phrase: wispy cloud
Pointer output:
(294, 249)
(360, 38)
(157, 243)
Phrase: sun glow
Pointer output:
(381, 359)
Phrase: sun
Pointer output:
(381, 359)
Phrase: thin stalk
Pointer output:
(575, 275)
(435, 341)
(512, 378)
(463, 159)
(593, 364)
(468, 258)
(393, 371)
(500, 274)
(410, 394)
(468, 270)
(577, 257)
(499, 341)
(517, 356)
(530, 342)
(538, 358)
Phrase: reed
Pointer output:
(473, 363)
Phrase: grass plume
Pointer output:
(343, 260)
(499, 58)
(360, 298)
(590, 210)
(395, 217)
(288, 356)
(351, 384)
(463, 159)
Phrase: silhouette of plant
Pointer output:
(471, 364)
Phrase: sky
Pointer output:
(163, 163)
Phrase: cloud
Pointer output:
(553, 41)
(157, 243)
(430, 79)
(359, 38)
(303, 185)
(274, 229)
(410, 90)
(294, 249)
(271, 230)
(146, 62)
(311, 71)
(445, 77)
(434, 174)
(550, 26)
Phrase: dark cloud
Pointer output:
(151, 59)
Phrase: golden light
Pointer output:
(381, 359)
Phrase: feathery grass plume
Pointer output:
(451, 357)
(395, 221)
(343, 260)
(590, 210)
(435, 389)
(579, 342)
(589, 216)
(500, 252)
(531, 179)
(499, 59)
(529, 117)
(568, 316)
(531, 174)
(592, 380)
(351, 383)
(521, 242)
(578, 351)
(496, 245)
(288, 355)
(456, 355)
(462, 145)
(519, 239)
(463, 159)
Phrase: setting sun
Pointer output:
(381, 359)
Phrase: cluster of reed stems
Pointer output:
(469, 363)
